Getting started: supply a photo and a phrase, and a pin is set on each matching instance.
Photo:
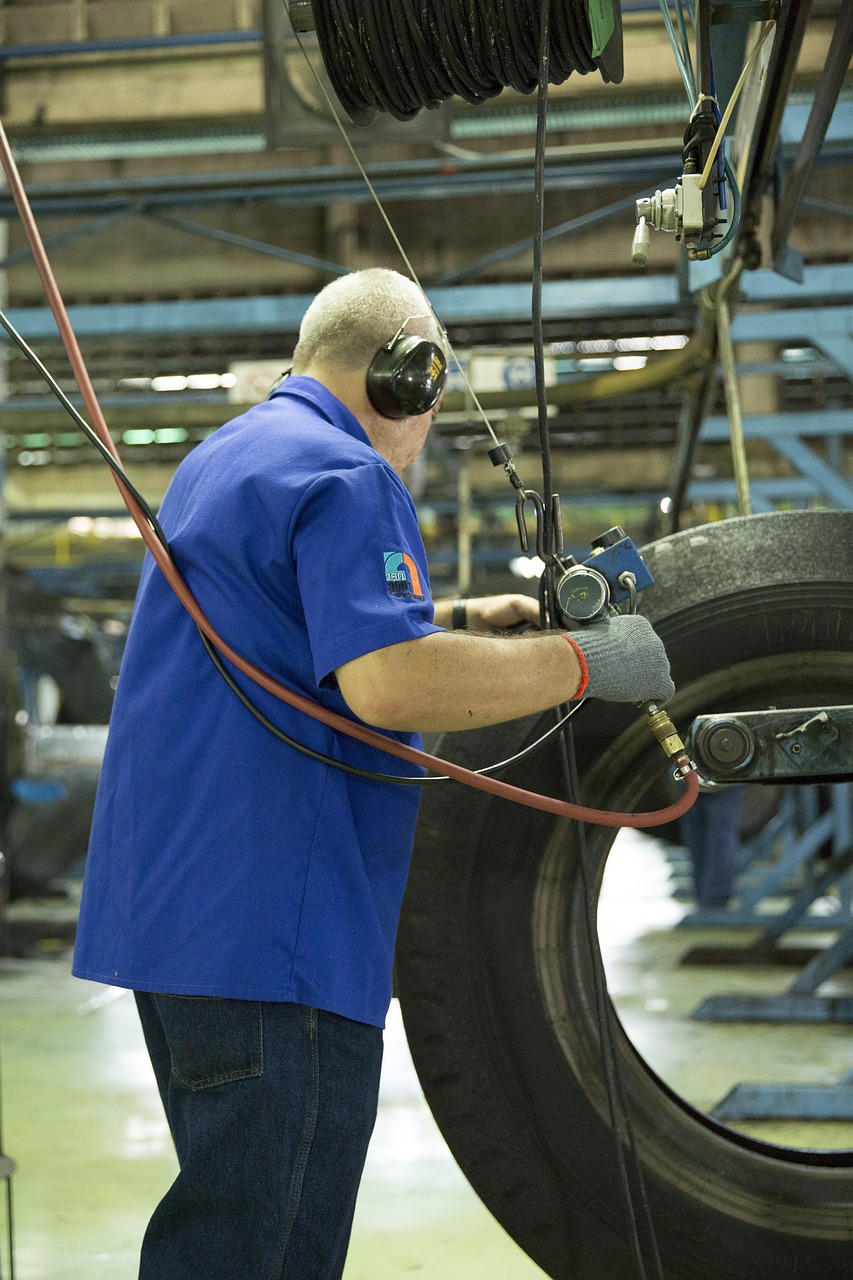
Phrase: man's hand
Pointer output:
(625, 660)
(491, 613)
(498, 613)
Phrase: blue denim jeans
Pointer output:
(271, 1107)
(711, 831)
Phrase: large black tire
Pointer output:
(493, 963)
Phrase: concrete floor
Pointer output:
(83, 1119)
(654, 996)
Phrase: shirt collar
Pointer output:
(300, 387)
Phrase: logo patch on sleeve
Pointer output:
(402, 577)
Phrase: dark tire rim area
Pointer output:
(493, 963)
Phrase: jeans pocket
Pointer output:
(212, 1040)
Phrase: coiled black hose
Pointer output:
(398, 56)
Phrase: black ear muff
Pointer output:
(406, 377)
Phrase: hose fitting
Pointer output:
(668, 737)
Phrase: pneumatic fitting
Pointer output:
(667, 735)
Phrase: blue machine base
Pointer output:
(785, 1008)
(786, 1102)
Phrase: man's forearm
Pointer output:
(448, 681)
(443, 616)
(487, 613)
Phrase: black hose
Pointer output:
(544, 25)
(398, 56)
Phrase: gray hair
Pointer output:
(355, 315)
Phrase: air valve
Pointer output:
(640, 247)
(678, 210)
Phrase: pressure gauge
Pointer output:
(583, 595)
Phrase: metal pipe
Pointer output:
(464, 516)
(127, 44)
(245, 242)
(825, 98)
(732, 388)
(580, 223)
(694, 411)
(759, 159)
(88, 228)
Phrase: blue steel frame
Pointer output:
(487, 175)
(829, 328)
(787, 850)
(596, 299)
(803, 832)
(321, 185)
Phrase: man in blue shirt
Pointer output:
(248, 893)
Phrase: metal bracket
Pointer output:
(739, 11)
(293, 119)
(766, 746)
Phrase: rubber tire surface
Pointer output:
(493, 967)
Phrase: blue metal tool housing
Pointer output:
(621, 557)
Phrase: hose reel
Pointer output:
(381, 55)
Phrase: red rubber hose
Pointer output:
(364, 734)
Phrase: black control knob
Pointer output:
(609, 538)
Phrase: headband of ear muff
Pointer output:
(406, 377)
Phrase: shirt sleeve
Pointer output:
(361, 567)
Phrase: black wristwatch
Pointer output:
(459, 615)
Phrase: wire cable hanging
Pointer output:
(680, 49)
(629, 1168)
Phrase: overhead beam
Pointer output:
(581, 166)
(775, 426)
(788, 36)
(611, 296)
(456, 305)
(826, 96)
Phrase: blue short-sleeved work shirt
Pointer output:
(223, 862)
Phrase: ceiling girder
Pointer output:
(608, 296)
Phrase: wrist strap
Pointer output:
(582, 687)
(459, 615)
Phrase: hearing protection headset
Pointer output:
(407, 376)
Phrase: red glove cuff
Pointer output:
(584, 668)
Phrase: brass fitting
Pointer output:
(666, 733)
(669, 739)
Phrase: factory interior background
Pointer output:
(194, 192)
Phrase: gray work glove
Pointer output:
(626, 660)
